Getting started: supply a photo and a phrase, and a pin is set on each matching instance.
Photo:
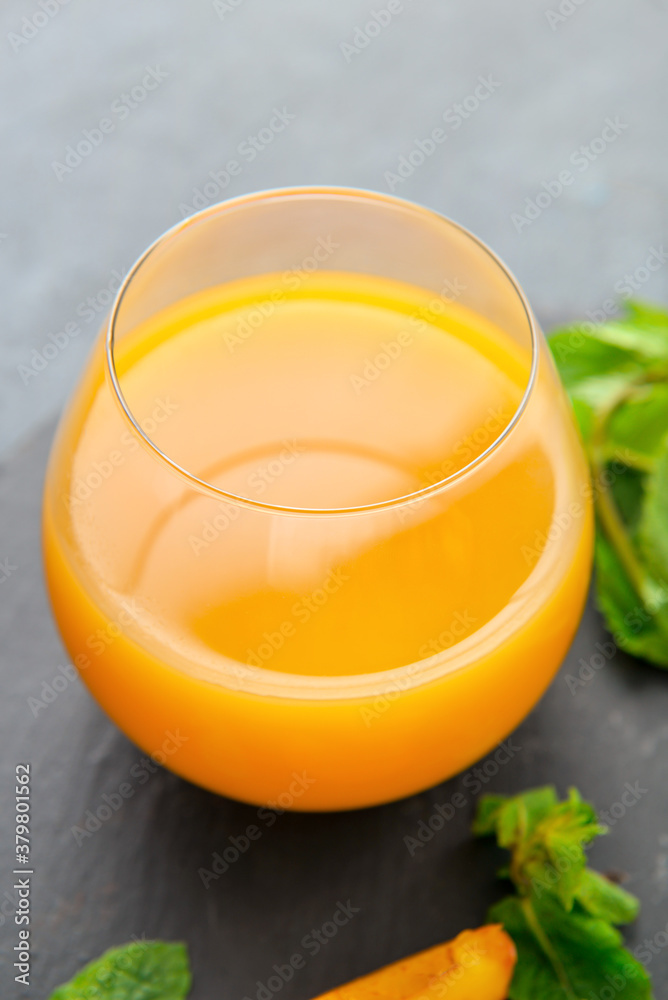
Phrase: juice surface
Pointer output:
(342, 391)
(342, 395)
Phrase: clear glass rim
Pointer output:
(202, 485)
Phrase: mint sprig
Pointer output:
(616, 374)
(564, 916)
(141, 970)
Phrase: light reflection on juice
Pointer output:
(378, 652)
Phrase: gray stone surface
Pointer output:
(62, 239)
(138, 874)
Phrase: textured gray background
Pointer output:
(61, 239)
(60, 242)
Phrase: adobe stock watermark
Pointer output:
(138, 775)
(454, 117)
(469, 955)
(472, 444)
(32, 24)
(461, 625)
(301, 612)
(268, 473)
(385, 699)
(51, 689)
(634, 621)
(225, 7)
(392, 350)
(127, 960)
(474, 781)
(90, 308)
(213, 527)
(312, 943)
(7, 569)
(8, 905)
(563, 521)
(465, 449)
(605, 651)
(650, 947)
(553, 872)
(632, 282)
(96, 643)
(563, 12)
(628, 974)
(364, 34)
(247, 151)
(625, 288)
(83, 487)
(581, 159)
(120, 109)
(257, 482)
(240, 844)
(631, 795)
(291, 281)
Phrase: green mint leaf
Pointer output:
(487, 815)
(564, 916)
(585, 954)
(648, 316)
(637, 430)
(628, 493)
(534, 974)
(557, 847)
(585, 417)
(600, 395)
(593, 372)
(605, 899)
(646, 341)
(142, 970)
(581, 355)
(546, 838)
(617, 377)
(511, 819)
(635, 627)
(653, 527)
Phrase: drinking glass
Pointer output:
(317, 521)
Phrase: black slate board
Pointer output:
(138, 875)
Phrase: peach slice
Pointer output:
(476, 965)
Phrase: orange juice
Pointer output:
(320, 626)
